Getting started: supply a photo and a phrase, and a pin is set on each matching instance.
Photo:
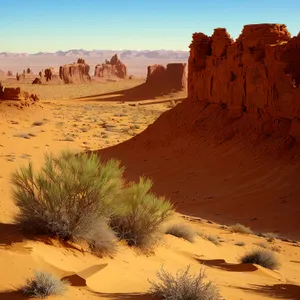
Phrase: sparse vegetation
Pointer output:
(140, 214)
(211, 238)
(184, 286)
(270, 236)
(240, 244)
(44, 284)
(70, 198)
(239, 228)
(181, 230)
(262, 245)
(262, 257)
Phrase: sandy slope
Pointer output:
(184, 167)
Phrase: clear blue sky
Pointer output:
(51, 25)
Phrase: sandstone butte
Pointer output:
(255, 79)
(75, 73)
(112, 68)
(173, 76)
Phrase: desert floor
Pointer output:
(81, 118)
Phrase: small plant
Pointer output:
(211, 238)
(262, 257)
(262, 245)
(181, 231)
(44, 284)
(140, 214)
(70, 198)
(270, 236)
(240, 244)
(184, 286)
(239, 228)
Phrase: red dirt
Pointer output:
(230, 152)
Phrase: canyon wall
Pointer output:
(173, 76)
(257, 76)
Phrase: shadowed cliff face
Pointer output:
(171, 77)
(255, 77)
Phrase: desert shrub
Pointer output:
(44, 284)
(240, 244)
(70, 197)
(262, 257)
(140, 214)
(183, 286)
(239, 228)
(181, 231)
(270, 236)
(262, 245)
(209, 237)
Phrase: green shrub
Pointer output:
(262, 257)
(44, 284)
(239, 228)
(181, 231)
(183, 286)
(70, 197)
(140, 214)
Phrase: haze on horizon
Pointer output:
(48, 26)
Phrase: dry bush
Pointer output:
(183, 286)
(270, 236)
(240, 244)
(70, 198)
(44, 284)
(262, 257)
(239, 228)
(209, 237)
(140, 214)
(181, 230)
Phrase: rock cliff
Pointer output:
(112, 68)
(173, 76)
(256, 77)
(75, 73)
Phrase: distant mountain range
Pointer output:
(129, 54)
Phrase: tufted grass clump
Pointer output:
(181, 230)
(71, 198)
(239, 228)
(183, 286)
(140, 214)
(44, 284)
(262, 257)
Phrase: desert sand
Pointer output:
(100, 115)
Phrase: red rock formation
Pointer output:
(18, 95)
(173, 77)
(257, 77)
(75, 73)
(112, 68)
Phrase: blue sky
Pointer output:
(51, 25)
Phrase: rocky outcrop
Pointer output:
(256, 77)
(75, 73)
(173, 76)
(37, 81)
(112, 68)
(17, 94)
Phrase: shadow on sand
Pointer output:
(129, 296)
(12, 295)
(223, 265)
(141, 92)
(276, 291)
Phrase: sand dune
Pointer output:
(227, 182)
